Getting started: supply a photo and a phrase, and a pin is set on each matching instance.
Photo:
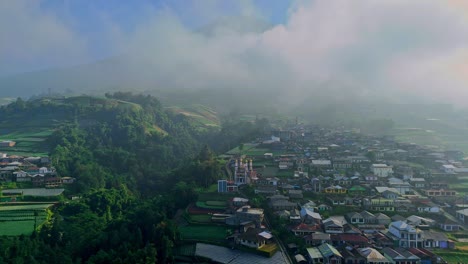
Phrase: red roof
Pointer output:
(305, 227)
(350, 238)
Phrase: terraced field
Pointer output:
(21, 219)
(30, 135)
(207, 233)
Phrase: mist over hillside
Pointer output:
(369, 52)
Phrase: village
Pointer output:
(29, 187)
(308, 194)
(305, 194)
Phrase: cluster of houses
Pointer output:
(249, 221)
(34, 170)
(373, 180)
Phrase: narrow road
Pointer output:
(283, 251)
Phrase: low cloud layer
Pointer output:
(390, 49)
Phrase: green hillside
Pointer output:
(201, 116)
(30, 123)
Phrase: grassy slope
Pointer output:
(30, 131)
(200, 115)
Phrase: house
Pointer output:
(380, 204)
(266, 189)
(21, 176)
(428, 207)
(222, 186)
(295, 194)
(333, 225)
(434, 239)
(381, 240)
(254, 238)
(335, 190)
(351, 239)
(438, 185)
(281, 202)
(272, 181)
(351, 255)
(246, 214)
(52, 182)
(310, 217)
(373, 256)
(285, 163)
(371, 228)
(316, 185)
(278, 205)
(440, 193)
(43, 170)
(342, 163)
(401, 187)
(449, 226)
(325, 254)
(317, 239)
(382, 170)
(304, 229)
(448, 168)
(342, 180)
(324, 207)
(407, 235)
(382, 219)
(355, 218)
(239, 201)
(357, 190)
(424, 255)
(388, 193)
(37, 180)
(300, 259)
(400, 255)
(418, 183)
(371, 179)
(369, 218)
(68, 180)
(7, 143)
(310, 205)
(321, 164)
(337, 200)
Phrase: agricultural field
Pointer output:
(214, 196)
(461, 187)
(206, 233)
(212, 204)
(251, 150)
(444, 134)
(30, 135)
(453, 256)
(21, 219)
(245, 148)
(200, 218)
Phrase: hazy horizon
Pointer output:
(391, 50)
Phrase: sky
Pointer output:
(387, 49)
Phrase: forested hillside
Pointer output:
(134, 163)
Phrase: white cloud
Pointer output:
(34, 39)
(386, 48)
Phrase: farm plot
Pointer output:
(217, 205)
(206, 233)
(21, 219)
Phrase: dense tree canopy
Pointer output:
(135, 164)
